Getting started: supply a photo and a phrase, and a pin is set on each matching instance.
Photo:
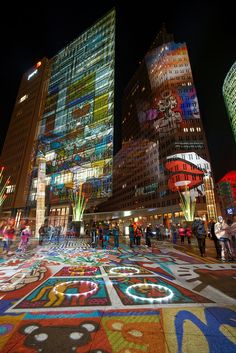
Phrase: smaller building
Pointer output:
(226, 188)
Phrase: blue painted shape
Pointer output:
(215, 317)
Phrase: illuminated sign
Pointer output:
(32, 74)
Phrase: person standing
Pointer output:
(106, 236)
(93, 232)
(233, 232)
(174, 232)
(198, 229)
(2, 228)
(9, 235)
(116, 233)
(222, 231)
(41, 234)
(182, 234)
(148, 235)
(131, 235)
(25, 235)
(139, 234)
(211, 227)
(188, 233)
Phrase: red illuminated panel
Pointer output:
(182, 171)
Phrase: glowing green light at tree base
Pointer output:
(187, 204)
(79, 202)
(3, 187)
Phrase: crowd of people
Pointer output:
(105, 235)
(8, 235)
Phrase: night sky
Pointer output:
(208, 28)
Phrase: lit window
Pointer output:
(10, 189)
(23, 98)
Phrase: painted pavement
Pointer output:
(71, 298)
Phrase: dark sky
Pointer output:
(39, 29)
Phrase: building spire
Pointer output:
(162, 37)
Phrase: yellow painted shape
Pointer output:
(229, 332)
(135, 334)
(194, 340)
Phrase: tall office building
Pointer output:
(163, 149)
(229, 94)
(22, 131)
(75, 131)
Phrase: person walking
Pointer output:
(198, 229)
(116, 233)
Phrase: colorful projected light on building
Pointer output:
(76, 130)
(229, 94)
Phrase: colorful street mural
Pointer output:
(157, 300)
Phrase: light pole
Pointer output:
(40, 195)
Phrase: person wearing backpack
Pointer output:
(198, 229)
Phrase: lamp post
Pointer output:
(40, 195)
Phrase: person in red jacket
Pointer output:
(188, 233)
(182, 234)
(138, 234)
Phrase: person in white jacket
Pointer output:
(222, 232)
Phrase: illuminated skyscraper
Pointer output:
(75, 128)
(229, 93)
(163, 142)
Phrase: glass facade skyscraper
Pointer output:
(229, 93)
(76, 129)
